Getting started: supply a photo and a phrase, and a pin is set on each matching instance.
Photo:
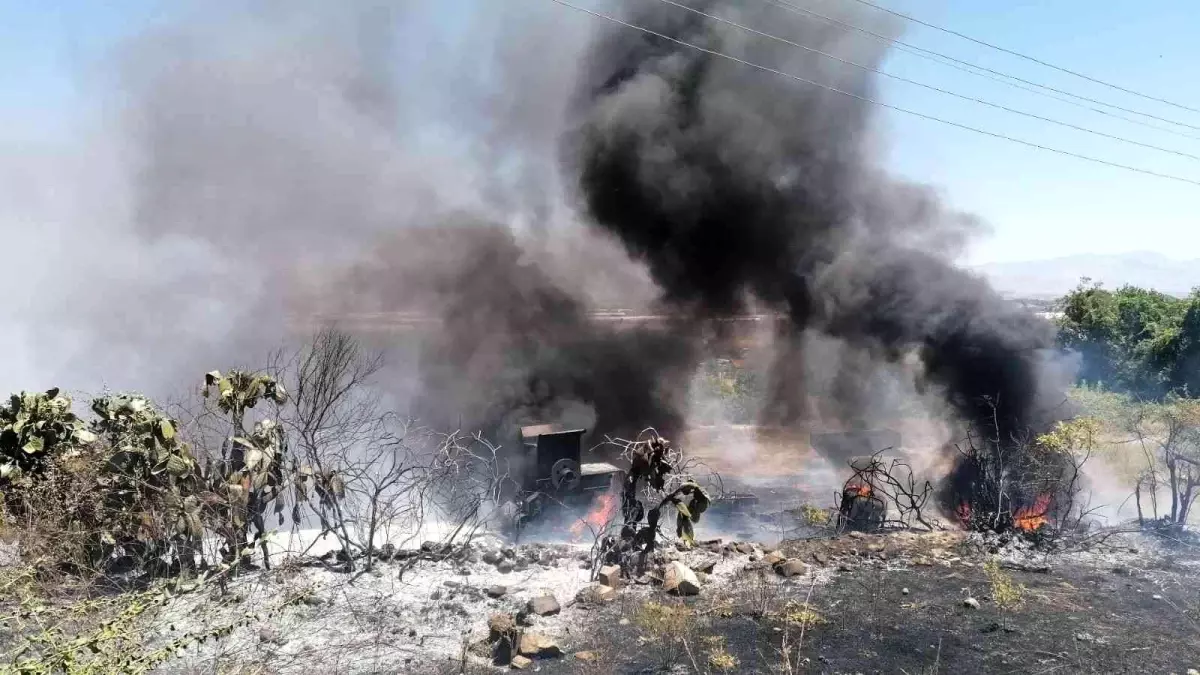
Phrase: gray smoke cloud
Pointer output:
(253, 164)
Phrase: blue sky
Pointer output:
(1037, 204)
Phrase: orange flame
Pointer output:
(1032, 517)
(863, 490)
(599, 515)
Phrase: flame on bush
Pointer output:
(598, 516)
(863, 490)
(1030, 518)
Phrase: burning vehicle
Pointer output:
(554, 478)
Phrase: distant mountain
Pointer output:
(1055, 277)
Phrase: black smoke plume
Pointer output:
(732, 183)
(513, 347)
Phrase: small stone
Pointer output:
(680, 579)
(508, 552)
(595, 594)
(538, 645)
(272, 636)
(623, 622)
(588, 657)
(904, 591)
(521, 663)
(744, 548)
(492, 557)
(546, 605)
(499, 624)
(436, 594)
(791, 568)
(857, 535)
(504, 566)
(1156, 597)
(610, 575)
(496, 591)
(774, 558)
(820, 557)
(705, 566)
(313, 600)
(971, 602)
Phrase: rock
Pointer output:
(521, 663)
(772, 558)
(1156, 597)
(521, 566)
(501, 623)
(744, 548)
(820, 557)
(904, 591)
(623, 622)
(705, 566)
(971, 602)
(595, 594)
(272, 636)
(313, 600)
(538, 645)
(436, 594)
(504, 566)
(546, 605)
(1122, 570)
(508, 552)
(857, 535)
(610, 575)
(492, 557)
(502, 637)
(588, 657)
(791, 568)
(387, 552)
(496, 591)
(681, 580)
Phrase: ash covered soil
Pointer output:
(888, 603)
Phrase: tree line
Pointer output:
(1133, 340)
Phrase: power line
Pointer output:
(864, 99)
(931, 87)
(1040, 62)
(995, 75)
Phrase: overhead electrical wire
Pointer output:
(995, 75)
(930, 87)
(1032, 59)
(907, 111)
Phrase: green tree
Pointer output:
(1128, 339)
